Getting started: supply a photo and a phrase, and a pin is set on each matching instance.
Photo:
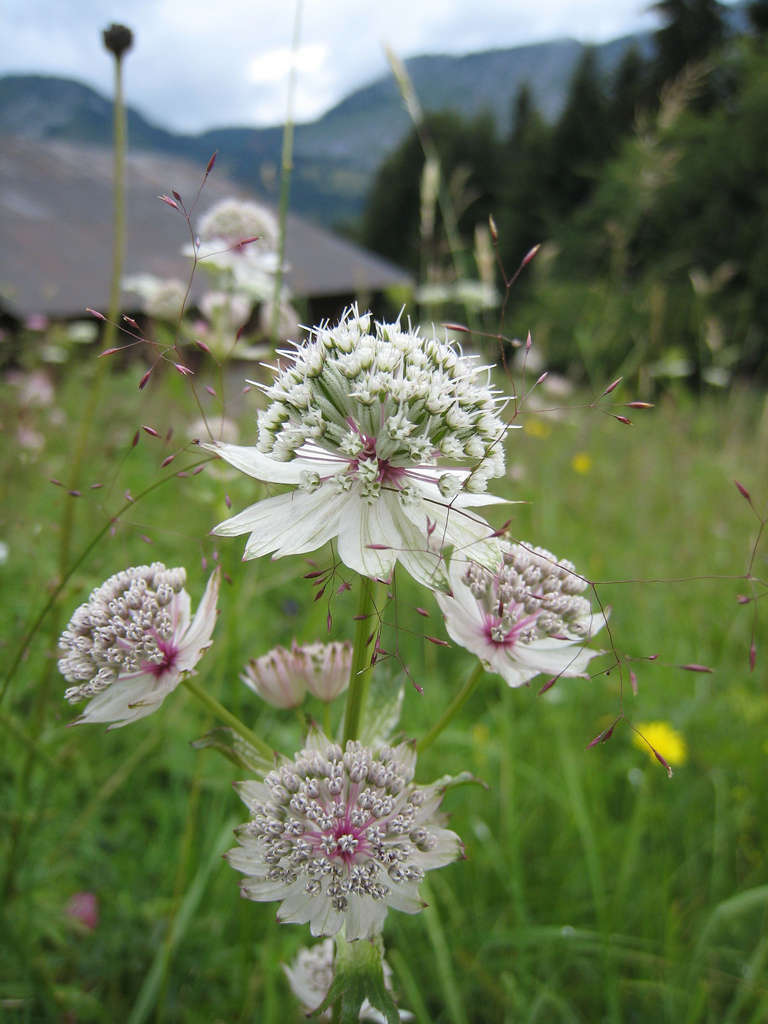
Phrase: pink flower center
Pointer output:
(170, 653)
(501, 632)
(388, 474)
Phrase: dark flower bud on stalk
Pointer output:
(117, 39)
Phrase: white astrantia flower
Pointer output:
(340, 836)
(250, 267)
(362, 421)
(233, 220)
(131, 643)
(523, 617)
(311, 974)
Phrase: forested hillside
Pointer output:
(648, 193)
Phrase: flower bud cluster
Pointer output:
(531, 595)
(339, 835)
(384, 398)
(282, 677)
(121, 628)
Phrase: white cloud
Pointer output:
(275, 65)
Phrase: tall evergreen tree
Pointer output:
(629, 87)
(691, 30)
(525, 197)
(757, 12)
(469, 147)
(580, 141)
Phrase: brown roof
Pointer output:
(56, 230)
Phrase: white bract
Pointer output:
(311, 974)
(388, 438)
(131, 643)
(341, 836)
(523, 617)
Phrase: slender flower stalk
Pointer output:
(453, 708)
(366, 633)
(226, 716)
(118, 40)
(286, 170)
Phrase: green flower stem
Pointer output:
(360, 674)
(113, 314)
(285, 177)
(226, 716)
(456, 705)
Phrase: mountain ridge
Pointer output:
(337, 155)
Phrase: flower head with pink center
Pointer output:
(388, 440)
(523, 617)
(131, 643)
(339, 836)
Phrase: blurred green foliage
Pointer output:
(648, 193)
(594, 888)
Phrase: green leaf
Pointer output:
(235, 749)
(382, 709)
(446, 782)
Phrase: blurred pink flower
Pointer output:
(84, 907)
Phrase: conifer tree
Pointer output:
(580, 141)
(691, 30)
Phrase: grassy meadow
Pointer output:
(594, 889)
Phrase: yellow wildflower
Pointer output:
(664, 739)
(581, 463)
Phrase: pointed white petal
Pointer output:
(465, 531)
(198, 637)
(311, 520)
(447, 849)
(567, 659)
(249, 460)
(180, 610)
(128, 699)
(288, 523)
(324, 919)
(466, 499)
(260, 889)
(465, 626)
(363, 918)
(253, 793)
(298, 907)
(405, 897)
(248, 859)
(362, 525)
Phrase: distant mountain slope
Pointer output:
(336, 156)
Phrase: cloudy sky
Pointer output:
(203, 63)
